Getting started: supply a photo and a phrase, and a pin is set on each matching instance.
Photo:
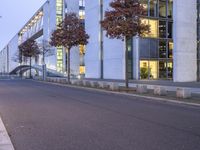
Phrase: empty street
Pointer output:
(41, 116)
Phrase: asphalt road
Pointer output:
(49, 117)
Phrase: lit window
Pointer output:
(153, 27)
(82, 69)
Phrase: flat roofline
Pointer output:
(17, 34)
(40, 9)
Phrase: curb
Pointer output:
(125, 94)
(5, 142)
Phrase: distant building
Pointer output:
(170, 51)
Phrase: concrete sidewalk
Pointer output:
(168, 84)
(5, 142)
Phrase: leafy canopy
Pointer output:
(29, 49)
(124, 19)
(70, 32)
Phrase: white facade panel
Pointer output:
(92, 56)
(185, 40)
(114, 55)
(114, 59)
(4, 60)
(13, 50)
(51, 61)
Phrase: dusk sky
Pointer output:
(15, 13)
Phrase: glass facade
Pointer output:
(156, 48)
(82, 47)
(59, 18)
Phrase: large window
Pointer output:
(169, 70)
(170, 9)
(153, 5)
(170, 49)
(170, 30)
(145, 5)
(156, 48)
(162, 29)
(162, 49)
(148, 69)
(153, 27)
(162, 69)
(162, 8)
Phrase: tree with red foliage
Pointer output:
(69, 33)
(123, 22)
(29, 49)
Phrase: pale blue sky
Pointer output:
(15, 13)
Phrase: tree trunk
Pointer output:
(43, 66)
(68, 65)
(126, 62)
(30, 75)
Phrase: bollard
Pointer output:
(94, 84)
(142, 89)
(183, 93)
(114, 86)
(103, 85)
(161, 91)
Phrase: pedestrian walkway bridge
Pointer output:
(23, 68)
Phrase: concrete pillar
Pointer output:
(185, 40)
(136, 58)
(73, 6)
(92, 26)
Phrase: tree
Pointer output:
(29, 49)
(17, 57)
(124, 21)
(46, 50)
(69, 33)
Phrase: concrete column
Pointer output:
(185, 40)
(92, 26)
(136, 58)
(73, 6)
(49, 25)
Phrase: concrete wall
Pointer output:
(8, 56)
(114, 55)
(92, 56)
(113, 50)
(4, 60)
(13, 49)
(185, 40)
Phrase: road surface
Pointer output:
(42, 116)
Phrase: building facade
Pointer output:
(171, 51)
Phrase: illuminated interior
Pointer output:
(82, 70)
(82, 47)
(153, 27)
(171, 47)
(59, 18)
(148, 69)
(32, 27)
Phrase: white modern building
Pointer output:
(170, 51)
